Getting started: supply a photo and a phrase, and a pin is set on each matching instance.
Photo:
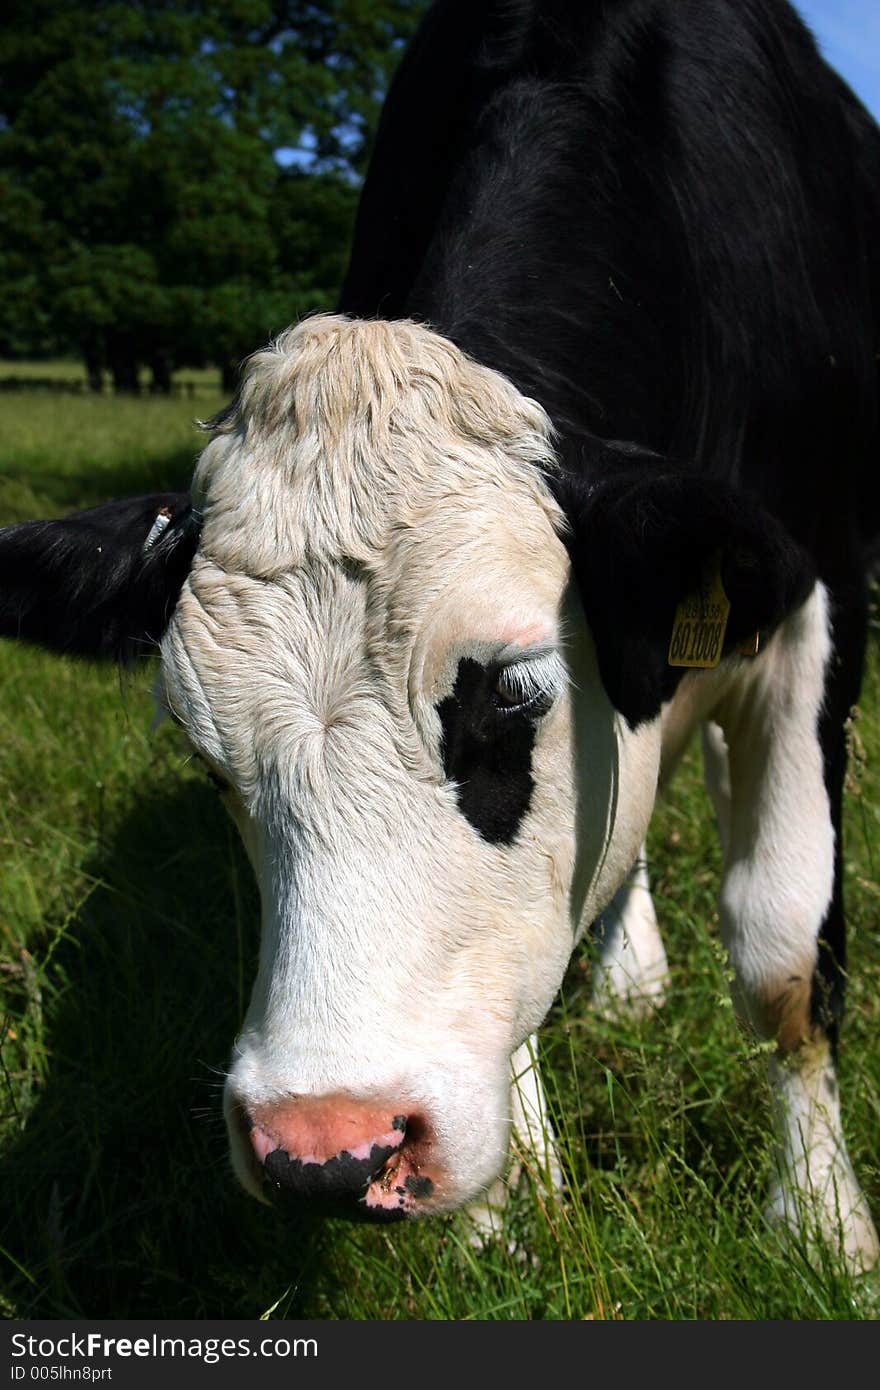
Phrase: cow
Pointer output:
(585, 460)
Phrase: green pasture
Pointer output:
(128, 937)
(69, 374)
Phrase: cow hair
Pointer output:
(101, 582)
(582, 210)
(584, 213)
(343, 430)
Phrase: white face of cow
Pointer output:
(380, 652)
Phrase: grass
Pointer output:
(70, 372)
(127, 945)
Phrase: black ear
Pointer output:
(102, 582)
(642, 541)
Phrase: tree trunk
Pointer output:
(93, 362)
(124, 366)
(94, 370)
(160, 366)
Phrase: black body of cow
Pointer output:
(661, 219)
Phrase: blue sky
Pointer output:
(848, 32)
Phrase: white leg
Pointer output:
(814, 1189)
(532, 1132)
(534, 1144)
(716, 775)
(631, 973)
(776, 889)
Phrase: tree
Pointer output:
(139, 150)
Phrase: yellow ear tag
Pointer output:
(700, 623)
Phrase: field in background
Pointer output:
(128, 938)
(67, 374)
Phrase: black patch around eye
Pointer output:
(487, 753)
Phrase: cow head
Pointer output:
(371, 634)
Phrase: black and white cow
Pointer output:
(602, 395)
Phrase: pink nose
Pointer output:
(341, 1147)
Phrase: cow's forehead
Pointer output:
(347, 433)
(306, 651)
(374, 508)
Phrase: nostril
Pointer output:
(359, 1158)
(416, 1129)
(324, 1146)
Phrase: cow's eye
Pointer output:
(529, 687)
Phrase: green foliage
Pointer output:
(140, 193)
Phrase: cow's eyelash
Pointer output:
(540, 678)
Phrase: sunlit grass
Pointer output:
(68, 370)
(60, 452)
(128, 937)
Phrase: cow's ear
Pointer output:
(642, 542)
(102, 582)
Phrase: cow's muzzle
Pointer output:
(356, 1158)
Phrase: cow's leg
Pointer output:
(716, 775)
(533, 1144)
(631, 975)
(781, 913)
(532, 1131)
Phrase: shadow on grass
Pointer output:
(59, 492)
(116, 1200)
